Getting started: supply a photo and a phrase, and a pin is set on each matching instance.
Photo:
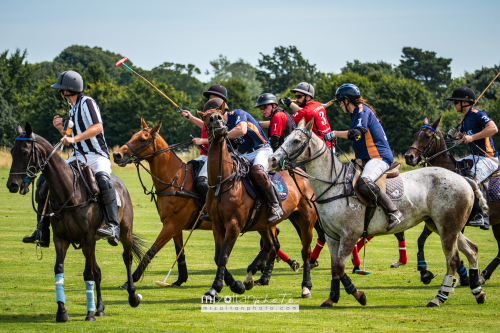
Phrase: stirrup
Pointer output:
(399, 218)
(478, 221)
(205, 218)
(111, 231)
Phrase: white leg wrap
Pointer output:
(477, 290)
(449, 284)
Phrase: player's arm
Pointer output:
(239, 130)
(489, 130)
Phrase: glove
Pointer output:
(286, 101)
(452, 133)
(330, 136)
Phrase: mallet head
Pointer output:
(118, 63)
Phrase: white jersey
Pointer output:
(84, 114)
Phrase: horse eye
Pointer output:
(296, 141)
(428, 136)
(26, 153)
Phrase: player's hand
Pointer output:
(467, 139)
(57, 122)
(198, 141)
(68, 140)
(330, 136)
(186, 114)
(285, 101)
(452, 133)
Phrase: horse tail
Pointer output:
(138, 248)
(479, 195)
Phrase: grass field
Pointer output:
(396, 297)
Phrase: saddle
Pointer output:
(88, 177)
(392, 173)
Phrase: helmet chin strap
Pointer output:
(65, 97)
(346, 104)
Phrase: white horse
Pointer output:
(439, 197)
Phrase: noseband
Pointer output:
(426, 150)
(287, 163)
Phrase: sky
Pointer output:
(328, 33)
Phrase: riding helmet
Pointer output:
(463, 94)
(69, 80)
(213, 104)
(265, 99)
(304, 88)
(349, 91)
(217, 90)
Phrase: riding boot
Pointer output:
(111, 230)
(201, 186)
(262, 182)
(373, 192)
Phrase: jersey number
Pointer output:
(359, 122)
(322, 116)
(275, 126)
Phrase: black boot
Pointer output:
(373, 192)
(262, 182)
(111, 231)
(201, 186)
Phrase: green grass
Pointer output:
(396, 297)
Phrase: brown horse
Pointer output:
(425, 146)
(231, 208)
(173, 181)
(75, 216)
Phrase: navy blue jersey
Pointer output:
(373, 142)
(475, 121)
(254, 136)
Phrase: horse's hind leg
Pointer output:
(61, 249)
(253, 267)
(425, 275)
(307, 223)
(270, 248)
(470, 250)
(181, 262)
(486, 274)
(88, 275)
(99, 310)
(212, 294)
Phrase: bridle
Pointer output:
(286, 163)
(137, 158)
(424, 160)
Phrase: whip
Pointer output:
(164, 283)
(122, 62)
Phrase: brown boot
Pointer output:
(262, 182)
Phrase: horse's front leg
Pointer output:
(340, 252)
(219, 232)
(88, 275)
(61, 249)
(181, 263)
(270, 248)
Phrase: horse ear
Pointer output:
(19, 130)
(223, 107)
(28, 129)
(436, 123)
(426, 121)
(302, 123)
(201, 114)
(156, 128)
(144, 124)
(310, 125)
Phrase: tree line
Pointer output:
(401, 94)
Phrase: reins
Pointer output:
(423, 153)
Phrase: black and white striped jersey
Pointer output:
(85, 113)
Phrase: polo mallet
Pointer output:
(363, 272)
(164, 283)
(324, 105)
(122, 62)
(68, 127)
(477, 100)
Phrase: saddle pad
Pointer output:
(276, 179)
(118, 200)
(395, 188)
(494, 189)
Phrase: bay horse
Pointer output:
(174, 184)
(440, 197)
(429, 144)
(229, 205)
(75, 216)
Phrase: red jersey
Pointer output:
(277, 124)
(314, 110)
(204, 135)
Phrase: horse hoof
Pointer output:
(306, 293)
(178, 283)
(210, 296)
(360, 297)
(248, 282)
(99, 314)
(124, 286)
(90, 316)
(356, 268)
(327, 304)
(62, 317)
(238, 287)
(295, 266)
(427, 277)
(481, 298)
(262, 282)
(136, 300)
(314, 263)
(432, 305)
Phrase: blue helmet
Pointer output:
(349, 91)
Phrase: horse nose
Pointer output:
(12, 186)
(409, 158)
(117, 156)
(273, 161)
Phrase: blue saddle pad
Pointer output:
(276, 179)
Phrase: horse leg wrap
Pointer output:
(348, 286)
(421, 264)
(490, 268)
(228, 279)
(266, 274)
(60, 288)
(475, 286)
(335, 290)
(219, 277)
(306, 276)
(402, 253)
(449, 284)
(183, 272)
(89, 287)
(462, 271)
(317, 249)
(144, 263)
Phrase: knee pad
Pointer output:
(368, 188)
(106, 186)
(201, 185)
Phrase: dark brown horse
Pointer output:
(75, 216)
(230, 211)
(173, 181)
(425, 146)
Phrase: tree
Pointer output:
(365, 68)
(181, 77)
(424, 67)
(223, 69)
(480, 79)
(286, 67)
